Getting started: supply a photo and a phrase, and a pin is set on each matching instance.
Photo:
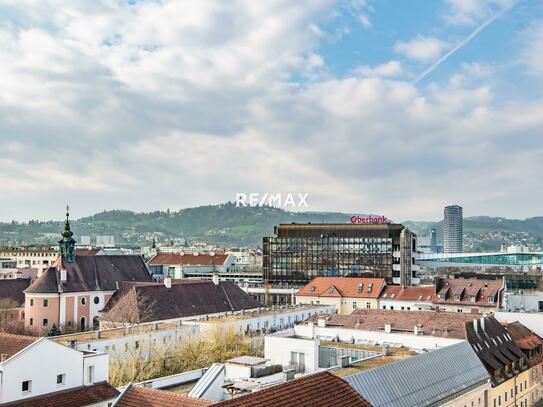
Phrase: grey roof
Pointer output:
(421, 380)
(204, 383)
(91, 273)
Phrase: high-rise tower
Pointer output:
(453, 228)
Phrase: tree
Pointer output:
(54, 331)
(7, 306)
(130, 308)
(196, 351)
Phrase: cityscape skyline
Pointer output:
(381, 107)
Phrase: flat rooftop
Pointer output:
(263, 312)
(247, 361)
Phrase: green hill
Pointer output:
(244, 226)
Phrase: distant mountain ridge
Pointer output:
(243, 226)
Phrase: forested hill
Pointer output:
(226, 223)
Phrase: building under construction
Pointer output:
(299, 252)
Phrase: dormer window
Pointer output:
(472, 298)
(457, 297)
(370, 286)
(360, 288)
(330, 290)
(490, 299)
(312, 288)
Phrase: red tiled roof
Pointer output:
(11, 344)
(136, 396)
(524, 338)
(441, 324)
(189, 259)
(343, 287)
(80, 396)
(318, 390)
(467, 287)
(395, 292)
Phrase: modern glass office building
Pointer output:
(300, 252)
(453, 229)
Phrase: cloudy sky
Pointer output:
(395, 107)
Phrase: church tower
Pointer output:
(67, 243)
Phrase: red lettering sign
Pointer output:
(368, 219)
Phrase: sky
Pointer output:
(392, 107)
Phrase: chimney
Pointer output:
(63, 275)
(388, 328)
(475, 325)
(321, 322)
(168, 282)
(216, 278)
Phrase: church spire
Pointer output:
(67, 242)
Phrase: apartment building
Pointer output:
(532, 346)
(507, 365)
(198, 266)
(33, 370)
(34, 256)
(345, 293)
(469, 294)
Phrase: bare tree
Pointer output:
(194, 351)
(7, 311)
(131, 308)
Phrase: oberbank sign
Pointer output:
(368, 219)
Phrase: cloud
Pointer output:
(360, 10)
(473, 12)
(389, 69)
(532, 53)
(422, 49)
(175, 104)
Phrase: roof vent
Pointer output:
(63, 275)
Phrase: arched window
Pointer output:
(82, 324)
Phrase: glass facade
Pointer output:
(300, 253)
(499, 259)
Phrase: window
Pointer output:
(368, 305)
(31, 322)
(45, 321)
(31, 302)
(61, 378)
(384, 307)
(354, 304)
(83, 301)
(90, 375)
(96, 300)
(26, 386)
(45, 303)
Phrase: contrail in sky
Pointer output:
(460, 45)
